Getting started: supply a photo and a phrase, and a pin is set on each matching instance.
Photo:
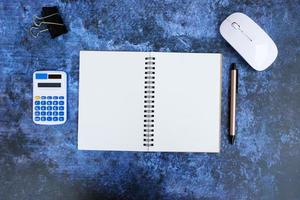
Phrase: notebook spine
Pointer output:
(149, 98)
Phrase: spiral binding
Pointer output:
(149, 97)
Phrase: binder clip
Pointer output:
(51, 21)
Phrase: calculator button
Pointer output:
(49, 102)
(37, 118)
(55, 97)
(49, 113)
(37, 107)
(43, 107)
(43, 97)
(55, 118)
(43, 118)
(55, 102)
(49, 97)
(37, 103)
(61, 113)
(61, 103)
(49, 118)
(61, 119)
(55, 107)
(61, 97)
(61, 108)
(43, 113)
(55, 113)
(37, 97)
(43, 102)
(37, 113)
(49, 108)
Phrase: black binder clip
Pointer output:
(51, 21)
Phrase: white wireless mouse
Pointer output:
(249, 40)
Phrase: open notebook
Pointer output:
(149, 101)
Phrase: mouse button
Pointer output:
(253, 30)
(258, 37)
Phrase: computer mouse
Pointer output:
(249, 40)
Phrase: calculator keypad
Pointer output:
(49, 109)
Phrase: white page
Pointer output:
(187, 102)
(111, 95)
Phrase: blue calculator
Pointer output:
(49, 97)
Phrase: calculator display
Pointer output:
(54, 76)
(49, 84)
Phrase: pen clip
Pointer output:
(233, 67)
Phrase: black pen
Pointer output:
(233, 91)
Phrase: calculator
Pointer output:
(49, 97)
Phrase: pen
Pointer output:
(233, 91)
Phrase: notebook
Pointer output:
(149, 101)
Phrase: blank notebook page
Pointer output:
(187, 102)
(111, 101)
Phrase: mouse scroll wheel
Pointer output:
(235, 25)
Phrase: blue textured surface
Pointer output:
(42, 162)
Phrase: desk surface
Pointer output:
(42, 162)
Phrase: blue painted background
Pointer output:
(42, 162)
